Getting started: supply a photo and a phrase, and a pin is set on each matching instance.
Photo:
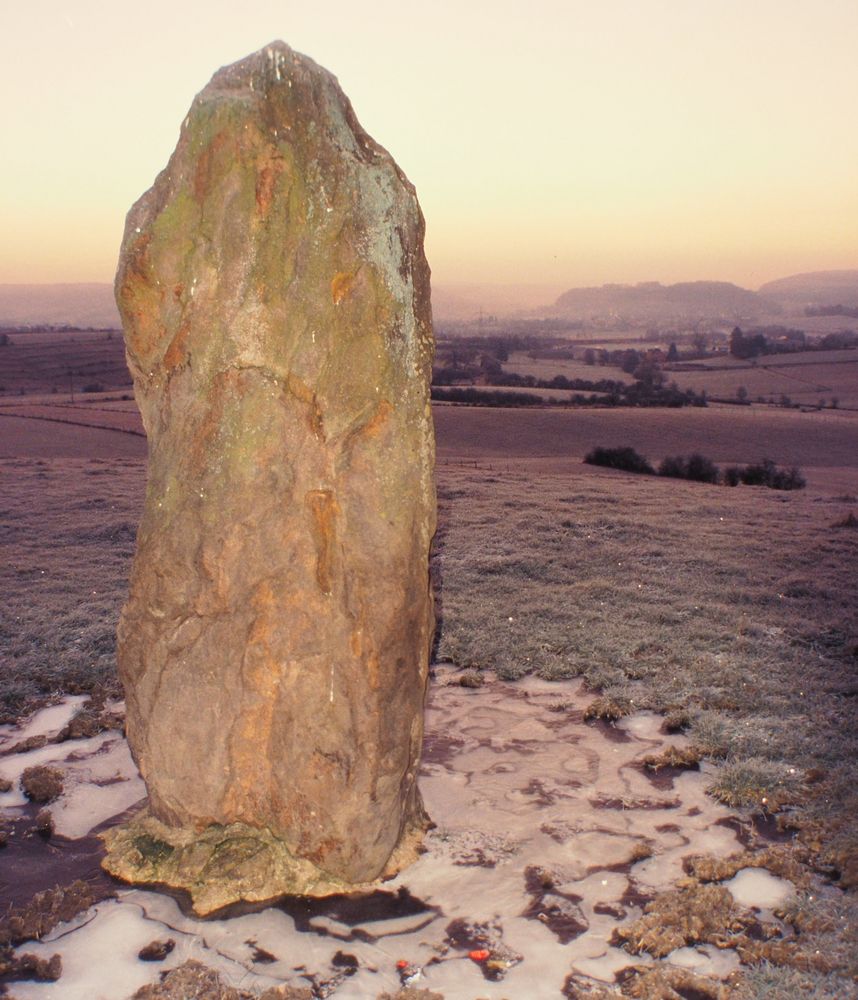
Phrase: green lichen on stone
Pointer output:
(152, 850)
(217, 867)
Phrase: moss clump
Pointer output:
(609, 709)
(693, 914)
(687, 758)
(664, 982)
(784, 860)
(42, 784)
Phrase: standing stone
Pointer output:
(274, 648)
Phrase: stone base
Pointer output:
(223, 865)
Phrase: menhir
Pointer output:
(275, 299)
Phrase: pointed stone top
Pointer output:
(275, 63)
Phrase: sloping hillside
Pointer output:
(817, 288)
(686, 300)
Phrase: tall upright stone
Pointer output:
(274, 648)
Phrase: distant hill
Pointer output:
(92, 305)
(469, 301)
(818, 288)
(687, 300)
(80, 305)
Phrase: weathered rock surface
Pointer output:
(274, 647)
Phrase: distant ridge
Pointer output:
(816, 288)
(461, 301)
(92, 304)
(685, 300)
(89, 304)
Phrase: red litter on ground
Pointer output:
(402, 964)
(479, 955)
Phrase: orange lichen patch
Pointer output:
(202, 173)
(270, 166)
(356, 642)
(372, 427)
(260, 673)
(178, 291)
(176, 354)
(372, 669)
(224, 385)
(139, 298)
(304, 394)
(323, 512)
(341, 284)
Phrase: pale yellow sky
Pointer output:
(550, 142)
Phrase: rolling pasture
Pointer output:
(807, 378)
(62, 362)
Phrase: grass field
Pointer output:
(808, 379)
(733, 610)
(43, 362)
(548, 368)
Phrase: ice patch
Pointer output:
(643, 726)
(540, 819)
(46, 722)
(14, 766)
(706, 960)
(100, 958)
(605, 967)
(757, 887)
(96, 788)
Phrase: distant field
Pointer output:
(548, 395)
(548, 368)
(88, 414)
(806, 378)
(43, 439)
(783, 360)
(823, 441)
(41, 362)
(823, 444)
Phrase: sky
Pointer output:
(552, 142)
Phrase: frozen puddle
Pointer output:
(756, 887)
(548, 835)
(46, 722)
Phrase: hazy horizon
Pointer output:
(562, 145)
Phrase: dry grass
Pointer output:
(67, 531)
